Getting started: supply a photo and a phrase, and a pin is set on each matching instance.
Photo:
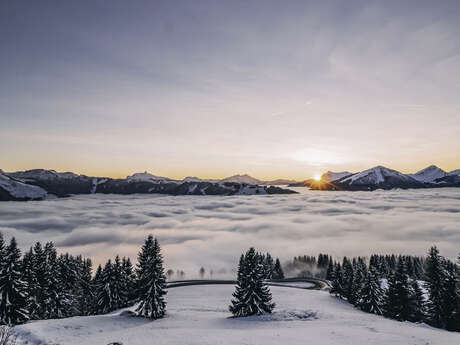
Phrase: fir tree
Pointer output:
(337, 281)
(435, 280)
(129, 280)
(152, 281)
(359, 275)
(347, 279)
(330, 270)
(13, 290)
(397, 300)
(417, 300)
(277, 270)
(59, 301)
(451, 299)
(251, 296)
(85, 298)
(370, 295)
(106, 301)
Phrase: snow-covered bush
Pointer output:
(6, 336)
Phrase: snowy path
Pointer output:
(199, 315)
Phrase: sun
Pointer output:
(317, 177)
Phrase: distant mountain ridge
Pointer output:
(380, 177)
(38, 184)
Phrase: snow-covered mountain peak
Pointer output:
(242, 179)
(333, 176)
(377, 175)
(147, 177)
(429, 174)
(19, 190)
(42, 174)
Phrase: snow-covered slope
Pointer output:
(41, 174)
(379, 177)
(454, 173)
(11, 189)
(429, 174)
(333, 176)
(198, 315)
(147, 177)
(242, 179)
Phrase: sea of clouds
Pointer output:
(212, 231)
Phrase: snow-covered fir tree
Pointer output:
(13, 290)
(330, 270)
(359, 275)
(347, 279)
(151, 281)
(435, 277)
(106, 297)
(59, 300)
(278, 270)
(397, 304)
(451, 298)
(251, 296)
(129, 281)
(337, 281)
(370, 295)
(417, 300)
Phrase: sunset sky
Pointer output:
(214, 88)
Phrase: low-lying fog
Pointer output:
(212, 231)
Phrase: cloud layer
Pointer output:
(212, 231)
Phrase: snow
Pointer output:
(333, 176)
(454, 172)
(42, 174)
(97, 181)
(199, 315)
(21, 190)
(429, 174)
(241, 179)
(147, 177)
(376, 176)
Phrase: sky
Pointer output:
(210, 231)
(213, 88)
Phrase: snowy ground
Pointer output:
(199, 315)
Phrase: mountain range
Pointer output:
(381, 177)
(38, 184)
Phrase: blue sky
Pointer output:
(213, 88)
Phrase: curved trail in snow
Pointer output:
(317, 284)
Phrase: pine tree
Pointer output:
(417, 300)
(85, 297)
(96, 284)
(435, 279)
(370, 295)
(105, 297)
(118, 287)
(359, 275)
(40, 288)
(451, 299)
(13, 290)
(129, 279)
(251, 296)
(152, 281)
(397, 300)
(277, 270)
(337, 281)
(59, 301)
(330, 270)
(347, 279)
(29, 277)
